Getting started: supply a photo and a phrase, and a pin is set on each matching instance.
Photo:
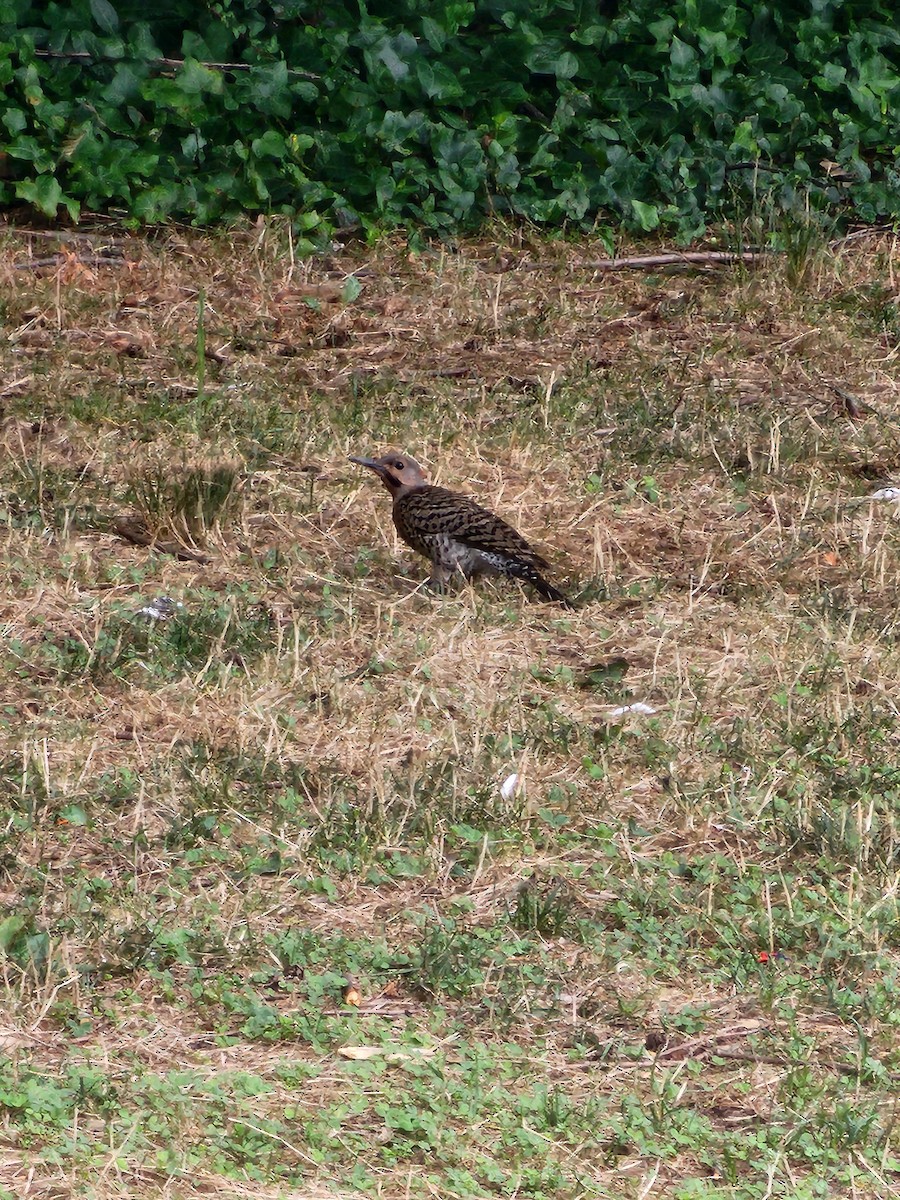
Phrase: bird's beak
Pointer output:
(372, 463)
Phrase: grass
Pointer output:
(666, 963)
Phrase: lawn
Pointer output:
(276, 920)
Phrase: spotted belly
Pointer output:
(451, 557)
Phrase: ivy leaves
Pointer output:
(437, 114)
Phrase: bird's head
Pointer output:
(397, 471)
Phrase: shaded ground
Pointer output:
(663, 961)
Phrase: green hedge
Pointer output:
(436, 114)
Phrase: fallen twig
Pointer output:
(643, 262)
(871, 231)
(706, 1043)
(828, 1064)
(101, 259)
(16, 385)
(709, 1046)
(133, 530)
(59, 235)
(85, 55)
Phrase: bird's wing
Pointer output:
(441, 510)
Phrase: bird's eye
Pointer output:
(398, 465)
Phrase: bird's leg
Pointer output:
(439, 579)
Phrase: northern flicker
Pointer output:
(456, 534)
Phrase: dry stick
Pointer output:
(60, 235)
(705, 1043)
(135, 531)
(645, 261)
(689, 257)
(82, 55)
(828, 1064)
(695, 1047)
(873, 231)
(86, 260)
(10, 387)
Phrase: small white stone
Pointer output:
(163, 608)
(641, 709)
(509, 786)
(886, 493)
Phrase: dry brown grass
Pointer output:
(684, 445)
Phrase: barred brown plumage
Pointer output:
(456, 534)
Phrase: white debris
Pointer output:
(639, 708)
(162, 608)
(510, 786)
(886, 493)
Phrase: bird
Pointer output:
(459, 536)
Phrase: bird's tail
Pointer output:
(544, 589)
(548, 592)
